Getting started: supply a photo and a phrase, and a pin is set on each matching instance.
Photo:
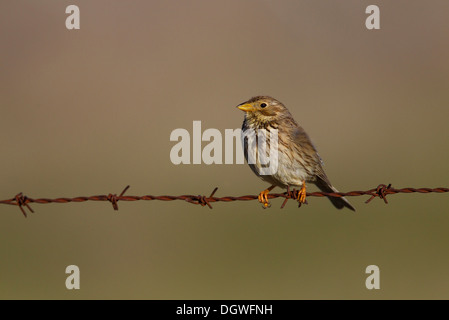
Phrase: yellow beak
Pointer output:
(247, 107)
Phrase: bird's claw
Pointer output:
(302, 194)
(263, 198)
(266, 205)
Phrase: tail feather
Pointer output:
(339, 203)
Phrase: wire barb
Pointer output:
(113, 198)
(21, 201)
(203, 200)
(290, 194)
(381, 192)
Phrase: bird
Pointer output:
(298, 160)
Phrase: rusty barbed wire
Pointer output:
(381, 191)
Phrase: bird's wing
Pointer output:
(303, 141)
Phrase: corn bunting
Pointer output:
(298, 160)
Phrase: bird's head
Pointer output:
(264, 109)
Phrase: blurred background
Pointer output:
(89, 111)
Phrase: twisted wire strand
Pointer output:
(381, 191)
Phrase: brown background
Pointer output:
(89, 111)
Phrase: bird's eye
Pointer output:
(263, 105)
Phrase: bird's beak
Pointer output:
(247, 107)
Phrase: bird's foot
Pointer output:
(302, 194)
(263, 198)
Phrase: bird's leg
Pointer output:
(263, 196)
(302, 193)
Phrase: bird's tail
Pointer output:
(339, 203)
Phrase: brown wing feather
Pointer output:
(303, 141)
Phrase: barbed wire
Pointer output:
(381, 191)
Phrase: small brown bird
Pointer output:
(298, 160)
